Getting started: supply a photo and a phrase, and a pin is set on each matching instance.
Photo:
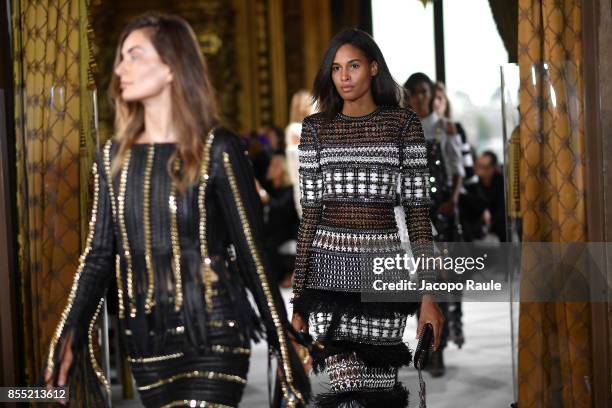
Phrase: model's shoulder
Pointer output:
(399, 113)
(316, 119)
(224, 140)
(223, 135)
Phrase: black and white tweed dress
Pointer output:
(349, 169)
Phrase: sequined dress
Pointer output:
(349, 170)
(182, 265)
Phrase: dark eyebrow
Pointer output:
(351, 61)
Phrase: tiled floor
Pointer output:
(480, 374)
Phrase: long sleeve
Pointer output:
(453, 156)
(235, 189)
(311, 191)
(415, 192)
(92, 278)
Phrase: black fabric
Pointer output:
(493, 196)
(350, 304)
(233, 218)
(396, 355)
(200, 389)
(505, 14)
(437, 171)
(281, 225)
(393, 398)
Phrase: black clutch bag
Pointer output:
(421, 356)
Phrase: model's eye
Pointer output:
(335, 68)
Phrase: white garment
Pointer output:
(451, 146)
(291, 153)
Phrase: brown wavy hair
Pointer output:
(194, 107)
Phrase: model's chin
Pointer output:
(349, 97)
(128, 96)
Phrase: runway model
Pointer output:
(176, 221)
(351, 156)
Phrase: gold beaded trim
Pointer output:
(124, 236)
(176, 248)
(176, 330)
(107, 167)
(221, 323)
(149, 302)
(211, 375)
(154, 359)
(217, 348)
(119, 286)
(194, 403)
(207, 271)
(94, 363)
(92, 225)
(264, 284)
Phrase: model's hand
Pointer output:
(298, 323)
(65, 364)
(486, 217)
(263, 194)
(430, 313)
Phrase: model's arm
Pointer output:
(416, 203)
(453, 157)
(311, 191)
(235, 189)
(415, 192)
(96, 268)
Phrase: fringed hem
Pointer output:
(350, 303)
(394, 356)
(397, 397)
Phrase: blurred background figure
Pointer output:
(446, 170)
(491, 189)
(272, 139)
(301, 106)
(263, 143)
(442, 107)
(281, 221)
(445, 154)
(470, 205)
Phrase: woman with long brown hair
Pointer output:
(176, 222)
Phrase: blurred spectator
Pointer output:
(444, 145)
(259, 157)
(301, 106)
(471, 204)
(442, 107)
(491, 186)
(262, 145)
(280, 220)
(272, 139)
(446, 170)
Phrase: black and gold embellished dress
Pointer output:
(350, 169)
(182, 264)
